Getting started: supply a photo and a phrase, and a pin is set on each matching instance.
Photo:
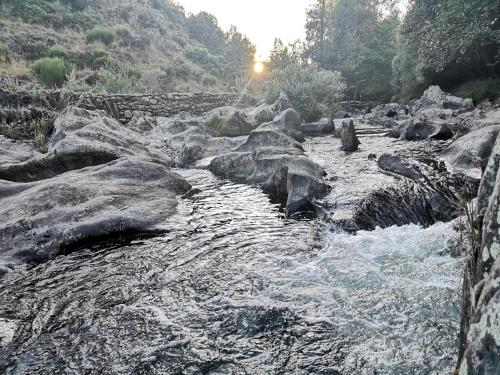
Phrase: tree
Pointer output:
(357, 38)
(450, 42)
(240, 53)
(204, 28)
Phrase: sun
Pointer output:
(258, 67)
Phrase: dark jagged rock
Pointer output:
(350, 141)
(415, 130)
(420, 198)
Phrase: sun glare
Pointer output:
(258, 67)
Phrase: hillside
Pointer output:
(119, 46)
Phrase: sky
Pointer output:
(260, 20)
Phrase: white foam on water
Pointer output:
(394, 291)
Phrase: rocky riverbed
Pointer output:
(244, 241)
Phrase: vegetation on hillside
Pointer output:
(151, 46)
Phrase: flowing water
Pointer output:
(233, 287)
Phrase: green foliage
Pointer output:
(240, 54)
(208, 80)
(204, 28)
(3, 53)
(52, 71)
(309, 88)
(479, 89)
(201, 56)
(76, 5)
(116, 79)
(101, 34)
(122, 31)
(179, 69)
(357, 39)
(447, 43)
(41, 129)
(57, 51)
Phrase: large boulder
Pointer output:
(128, 195)
(83, 138)
(470, 153)
(415, 130)
(277, 163)
(234, 125)
(287, 122)
(350, 141)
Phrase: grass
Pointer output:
(42, 129)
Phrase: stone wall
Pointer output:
(125, 107)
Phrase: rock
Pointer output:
(235, 125)
(341, 115)
(261, 114)
(394, 164)
(83, 138)
(40, 219)
(469, 154)
(12, 151)
(278, 164)
(350, 141)
(287, 122)
(480, 333)
(322, 127)
(142, 124)
(268, 138)
(414, 130)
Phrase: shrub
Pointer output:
(208, 80)
(215, 123)
(3, 53)
(122, 31)
(179, 69)
(209, 62)
(479, 90)
(76, 21)
(115, 79)
(57, 51)
(100, 34)
(52, 71)
(308, 87)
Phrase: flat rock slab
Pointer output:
(38, 219)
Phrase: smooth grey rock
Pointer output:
(235, 125)
(83, 138)
(350, 141)
(470, 153)
(278, 164)
(287, 122)
(322, 127)
(39, 219)
(415, 130)
(394, 164)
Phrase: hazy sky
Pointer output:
(260, 20)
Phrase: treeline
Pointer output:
(384, 51)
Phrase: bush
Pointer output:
(3, 53)
(479, 90)
(208, 80)
(52, 71)
(179, 69)
(100, 34)
(115, 79)
(209, 62)
(57, 51)
(75, 21)
(308, 87)
(122, 31)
